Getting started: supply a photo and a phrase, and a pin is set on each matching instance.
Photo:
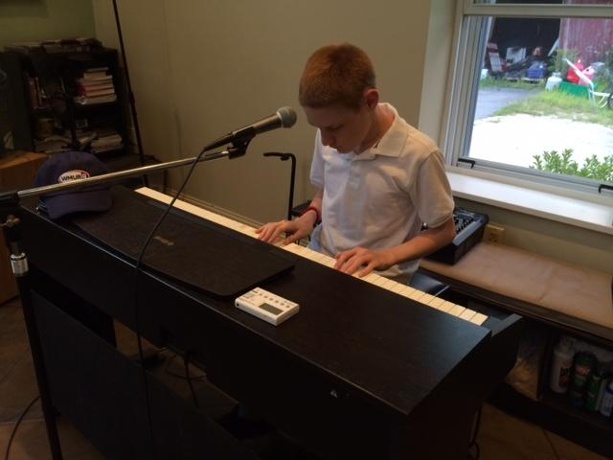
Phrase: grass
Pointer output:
(553, 103)
(502, 83)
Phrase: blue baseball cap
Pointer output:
(68, 166)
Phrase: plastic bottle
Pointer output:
(553, 82)
(603, 387)
(561, 365)
(606, 406)
(584, 364)
(593, 393)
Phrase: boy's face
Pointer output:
(342, 128)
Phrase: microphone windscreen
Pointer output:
(288, 116)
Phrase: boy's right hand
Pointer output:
(293, 230)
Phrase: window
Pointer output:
(531, 92)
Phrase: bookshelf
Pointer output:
(66, 98)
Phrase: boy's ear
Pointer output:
(371, 96)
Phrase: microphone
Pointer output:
(285, 117)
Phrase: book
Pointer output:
(100, 69)
(96, 92)
(95, 72)
(96, 85)
(94, 78)
(24, 47)
(71, 45)
(52, 144)
(91, 100)
(107, 141)
(55, 46)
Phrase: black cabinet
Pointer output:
(66, 100)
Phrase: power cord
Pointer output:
(189, 380)
(182, 375)
(17, 423)
(138, 271)
(553, 447)
(187, 375)
(474, 451)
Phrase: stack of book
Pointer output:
(60, 45)
(106, 141)
(54, 143)
(95, 87)
(43, 92)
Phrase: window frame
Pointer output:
(469, 44)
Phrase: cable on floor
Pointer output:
(474, 451)
(17, 423)
(553, 447)
(189, 379)
(183, 375)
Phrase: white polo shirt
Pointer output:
(380, 198)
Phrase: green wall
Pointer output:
(35, 20)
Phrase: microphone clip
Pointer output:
(238, 148)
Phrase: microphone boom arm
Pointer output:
(110, 177)
(239, 140)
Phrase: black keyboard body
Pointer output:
(469, 231)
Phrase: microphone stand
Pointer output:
(10, 224)
(19, 267)
(285, 157)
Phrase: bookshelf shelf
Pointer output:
(67, 99)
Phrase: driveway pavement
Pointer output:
(490, 100)
(515, 139)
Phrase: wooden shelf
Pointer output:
(52, 80)
(538, 288)
(555, 413)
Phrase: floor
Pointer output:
(500, 437)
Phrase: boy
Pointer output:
(377, 178)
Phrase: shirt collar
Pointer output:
(391, 143)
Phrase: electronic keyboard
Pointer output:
(302, 251)
(469, 227)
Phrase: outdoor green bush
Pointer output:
(603, 79)
(593, 168)
(559, 63)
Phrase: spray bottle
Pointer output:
(561, 365)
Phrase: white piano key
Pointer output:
(437, 302)
(310, 255)
(478, 319)
(387, 283)
(324, 259)
(295, 249)
(456, 310)
(416, 295)
(407, 292)
(426, 298)
(446, 306)
(370, 278)
(247, 230)
(379, 280)
(467, 314)
(398, 287)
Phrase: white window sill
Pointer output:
(594, 214)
